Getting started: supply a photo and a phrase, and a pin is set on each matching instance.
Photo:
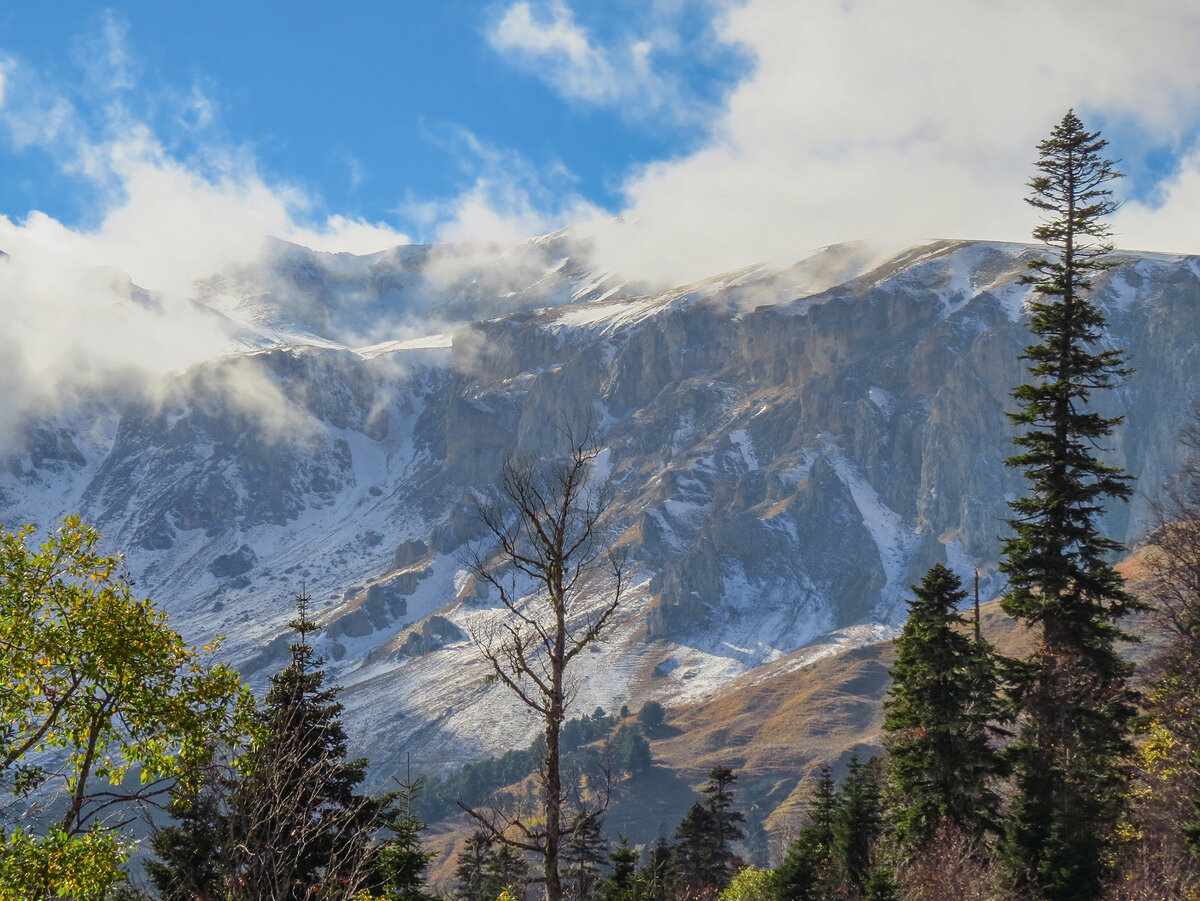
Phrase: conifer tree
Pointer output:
(857, 823)
(295, 812)
(940, 765)
(1073, 693)
(703, 856)
(726, 820)
(694, 851)
(659, 872)
(471, 867)
(881, 886)
(583, 851)
(622, 883)
(286, 821)
(807, 872)
(187, 863)
(402, 859)
(506, 870)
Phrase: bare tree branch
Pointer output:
(545, 525)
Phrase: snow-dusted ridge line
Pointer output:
(753, 424)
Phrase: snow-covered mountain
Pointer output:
(791, 446)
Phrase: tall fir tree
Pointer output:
(694, 852)
(1073, 694)
(726, 821)
(941, 767)
(298, 818)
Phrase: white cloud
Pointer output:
(506, 197)
(200, 110)
(355, 171)
(106, 57)
(859, 119)
(560, 43)
(548, 42)
(73, 316)
(907, 121)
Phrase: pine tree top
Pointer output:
(1072, 185)
(302, 651)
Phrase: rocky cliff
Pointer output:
(788, 450)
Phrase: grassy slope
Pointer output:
(777, 725)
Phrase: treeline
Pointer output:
(701, 860)
(595, 749)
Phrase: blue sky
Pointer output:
(161, 138)
(375, 110)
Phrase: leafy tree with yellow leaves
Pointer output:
(104, 706)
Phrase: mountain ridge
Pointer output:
(788, 456)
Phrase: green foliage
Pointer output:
(83, 866)
(702, 856)
(652, 716)
(471, 866)
(881, 886)
(294, 810)
(506, 870)
(402, 859)
(833, 854)
(623, 884)
(694, 856)
(286, 821)
(750, 884)
(658, 875)
(625, 751)
(1073, 693)
(807, 872)
(628, 751)
(473, 783)
(857, 823)
(94, 672)
(584, 850)
(941, 767)
(188, 853)
(90, 669)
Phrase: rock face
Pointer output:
(785, 463)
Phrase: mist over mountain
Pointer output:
(790, 445)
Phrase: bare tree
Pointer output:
(954, 866)
(545, 522)
(1161, 857)
(1173, 560)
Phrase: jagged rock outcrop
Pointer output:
(786, 458)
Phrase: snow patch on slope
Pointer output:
(894, 540)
